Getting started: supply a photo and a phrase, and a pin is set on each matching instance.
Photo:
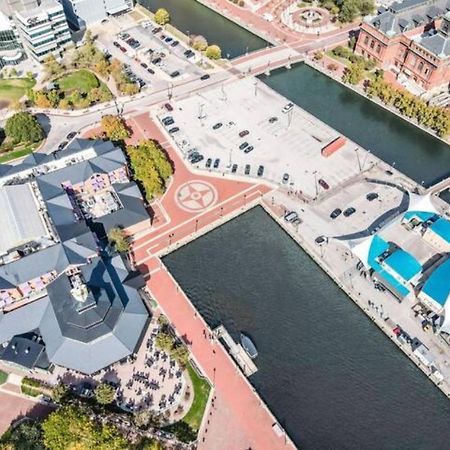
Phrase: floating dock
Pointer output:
(241, 357)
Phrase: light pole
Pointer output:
(315, 182)
(365, 159)
(256, 87)
(357, 157)
(196, 225)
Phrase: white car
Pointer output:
(288, 107)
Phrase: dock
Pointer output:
(241, 357)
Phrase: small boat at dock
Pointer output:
(248, 346)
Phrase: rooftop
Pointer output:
(441, 227)
(438, 286)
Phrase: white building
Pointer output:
(82, 13)
(44, 30)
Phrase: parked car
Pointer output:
(156, 61)
(168, 121)
(349, 211)
(216, 163)
(247, 169)
(174, 130)
(287, 107)
(205, 77)
(290, 216)
(217, 125)
(336, 213)
(249, 149)
(144, 65)
(168, 106)
(273, 119)
(168, 39)
(196, 158)
(175, 74)
(156, 30)
(243, 145)
(71, 135)
(285, 178)
(320, 240)
(234, 168)
(243, 133)
(151, 71)
(208, 163)
(323, 183)
(371, 196)
(116, 44)
(62, 145)
(174, 43)
(260, 171)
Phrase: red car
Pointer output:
(324, 184)
(244, 133)
(168, 106)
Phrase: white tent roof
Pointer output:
(421, 203)
(361, 248)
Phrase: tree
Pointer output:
(53, 98)
(349, 10)
(26, 436)
(52, 67)
(114, 127)
(41, 100)
(213, 52)
(353, 74)
(366, 7)
(104, 394)
(162, 16)
(23, 127)
(199, 43)
(13, 73)
(59, 392)
(71, 428)
(119, 239)
(103, 68)
(30, 75)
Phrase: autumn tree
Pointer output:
(199, 43)
(114, 127)
(162, 16)
(119, 239)
(104, 394)
(213, 52)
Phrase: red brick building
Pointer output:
(412, 40)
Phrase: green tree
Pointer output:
(13, 73)
(26, 436)
(59, 392)
(213, 52)
(366, 7)
(353, 74)
(119, 239)
(162, 16)
(349, 11)
(70, 427)
(53, 98)
(104, 394)
(52, 67)
(30, 75)
(23, 127)
(114, 127)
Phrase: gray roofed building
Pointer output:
(438, 44)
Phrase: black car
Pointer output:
(156, 61)
(116, 44)
(187, 52)
(156, 30)
(243, 145)
(371, 196)
(196, 158)
(71, 135)
(168, 106)
(349, 211)
(205, 77)
(260, 171)
(216, 163)
(151, 71)
(234, 168)
(208, 163)
(323, 183)
(144, 65)
(62, 145)
(249, 149)
(273, 119)
(175, 74)
(320, 240)
(217, 125)
(168, 121)
(174, 130)
(174, 43)
(336, 213)
(247, 169)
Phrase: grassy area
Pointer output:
(344, 61)
(32, 392)
(82, 80)
(13, 89)
(17, 152)
(201, 392)
(3, 377)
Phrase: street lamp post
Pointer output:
(357, 157)
(315, 182)
(196, 225)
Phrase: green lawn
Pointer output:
(338, 58)
(82, 80)
(17, 153)
(13, 89)
(187, 428)
(3, 377)
(201, 392)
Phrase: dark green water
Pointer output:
(329, 375)
(191, 17)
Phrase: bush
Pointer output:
(241, 3)
(213, 52)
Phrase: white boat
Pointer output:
(248, 346)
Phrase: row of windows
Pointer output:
(372, 44)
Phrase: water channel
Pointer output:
(331, 377)
(415, 153)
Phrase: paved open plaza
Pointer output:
(222, 123)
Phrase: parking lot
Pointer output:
(224, 123)
(151, 54)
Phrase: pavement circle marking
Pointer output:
(196, 196)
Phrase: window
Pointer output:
(372, 44)
(366, 40)
(378, 48)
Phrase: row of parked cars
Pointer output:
(371, 196)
